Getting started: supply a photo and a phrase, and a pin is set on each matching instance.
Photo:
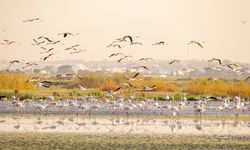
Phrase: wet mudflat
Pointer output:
(120, 132)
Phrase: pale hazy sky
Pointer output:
(218, 22)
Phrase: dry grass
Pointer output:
(220, 87)
(14, 83)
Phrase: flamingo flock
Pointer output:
(114, 104)
(120, 105)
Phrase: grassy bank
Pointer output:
(119, 141)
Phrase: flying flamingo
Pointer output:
(173, 61)
(193, 42)
(196, 43)
(66, 34)
(124, 39)
(37, 42)
(134, 77)
(159, 43)
(54, 42)
(29, 64)
(114, 45)
(233, 67)
(45, 58)
(77, 51)
(45, 38)
(12, 62)
(46, 50)
(123, 58)
(8, 42)
(32, 20)
(216, 59)
(71, 47)
(136, 43)
(145, 59)
(144, 67)
(112, 92)
(116, 54)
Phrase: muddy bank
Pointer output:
(123, 125)
(120, 141)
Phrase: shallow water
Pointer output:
(105, 109)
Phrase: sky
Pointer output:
(99, 22)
